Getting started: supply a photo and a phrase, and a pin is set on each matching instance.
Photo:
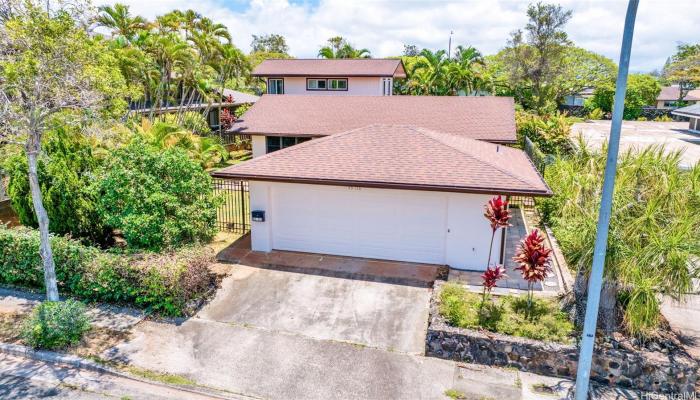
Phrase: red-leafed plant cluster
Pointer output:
(492, 275)
(533, 259)
(227, 119)
(497, 213)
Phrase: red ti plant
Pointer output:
(227, 119)
(498, 214)
(490, 277)
(533, 260)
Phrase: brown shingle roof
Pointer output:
(401, 157)
(484, 118)
(338, 67)
(671, 93)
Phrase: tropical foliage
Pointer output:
(339, 47)
(550, 132)
(654, 230)
(177, 59)
(642, 90)
(434, 73)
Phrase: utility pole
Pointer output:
(449, 46)
(595, 281)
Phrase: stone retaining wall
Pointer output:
(659, 371)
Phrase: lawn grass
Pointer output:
(508, 315)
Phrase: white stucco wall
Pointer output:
(259, 145)
(326, 217)
(357, 86)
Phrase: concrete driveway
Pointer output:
(640, 134)
(374, 314)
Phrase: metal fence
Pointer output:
(233, 215)
(539, 159)
(233, 138)
(524, 202)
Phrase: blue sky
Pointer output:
(384, 26)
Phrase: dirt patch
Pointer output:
(97, 340)
(10, 327)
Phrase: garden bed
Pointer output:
(668, 369)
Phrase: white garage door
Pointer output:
(374, 223)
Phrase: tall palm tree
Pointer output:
(120, 21)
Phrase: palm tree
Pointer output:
(118, 19)
(431, 68)
(338, 47)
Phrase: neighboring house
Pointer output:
(358, 77)
(691, 112)
(276, 122)
(577, 99)
(391, 191)
(199, 105)
(668, 97)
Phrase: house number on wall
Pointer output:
(354, 188)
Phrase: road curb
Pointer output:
(81, 363)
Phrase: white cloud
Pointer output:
(384, 26)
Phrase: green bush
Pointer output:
(56, 324)
(550, 132)
(66, 168)
(156, 198)
(505, 314)
(596, 114)
(164, 283)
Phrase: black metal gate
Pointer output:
(233, 215)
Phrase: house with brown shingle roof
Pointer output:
(399, 178)
(336, 77)
(277, 122)
(669, 95)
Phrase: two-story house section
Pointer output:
(350, 77)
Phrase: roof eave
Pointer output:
(382, 185)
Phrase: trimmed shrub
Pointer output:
(157, 199)
(56, 324)
(169, 284)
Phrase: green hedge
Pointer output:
(163, 283)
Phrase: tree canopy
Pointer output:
(270, 43)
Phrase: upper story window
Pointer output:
(274, 143)
(316, 84)
(338, 84)
(327, 84)
(275, 86)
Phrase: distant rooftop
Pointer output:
(331, 67)
(671, 93)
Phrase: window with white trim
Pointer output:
(275, 86)
(337, 84)
(316, 84)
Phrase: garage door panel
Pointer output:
(373, 223)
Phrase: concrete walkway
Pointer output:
(684, 319)
(21, 378)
